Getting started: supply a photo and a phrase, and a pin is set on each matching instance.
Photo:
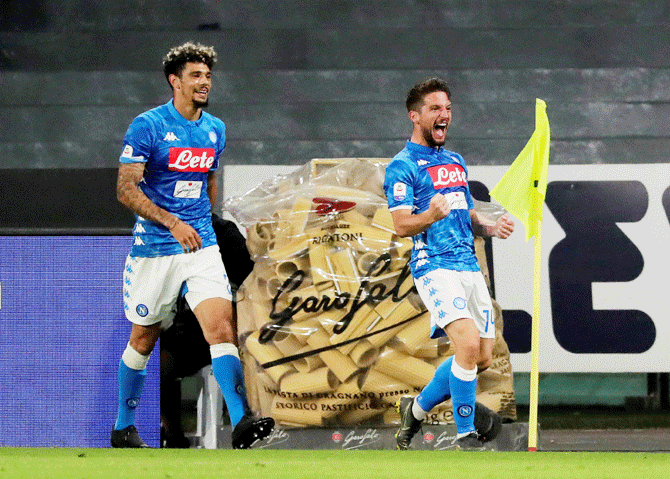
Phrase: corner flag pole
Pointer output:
(522, 191)
(535, 338)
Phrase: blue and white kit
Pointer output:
(413, 177)
(444, 265)
(178, 155)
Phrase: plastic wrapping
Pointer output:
(331, 328)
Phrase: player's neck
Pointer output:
(187, 109)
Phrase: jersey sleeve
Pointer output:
(468, 196)
(138, 141)
(220, 142)
(399, 186)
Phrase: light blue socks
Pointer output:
(227, 370)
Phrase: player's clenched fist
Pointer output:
(503, 227)
(439, 207)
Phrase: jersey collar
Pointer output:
(424, 150)
(180, 119)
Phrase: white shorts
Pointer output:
(451, 295)
(151, 285)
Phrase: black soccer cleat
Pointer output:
(487, 423)
(470, 442)
(250, 430)
(409, 425)
(127, 438)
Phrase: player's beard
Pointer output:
(428, 137)
(201, 104)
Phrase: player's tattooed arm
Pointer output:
(130, 196)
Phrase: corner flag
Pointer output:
(522, 189)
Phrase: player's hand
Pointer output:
(439, 207)
(188, 238)
(503, 227)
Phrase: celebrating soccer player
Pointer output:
(167, 178)
(429, 199)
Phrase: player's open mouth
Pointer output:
(440, 130)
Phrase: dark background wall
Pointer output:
(302, 79)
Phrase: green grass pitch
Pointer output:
(34, 463)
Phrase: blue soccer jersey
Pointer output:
(413, 177)
(178, 155)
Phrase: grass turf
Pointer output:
(34, 463)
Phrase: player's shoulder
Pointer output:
(150, 118)
(402, 160)
(453, 156)
(215, 121)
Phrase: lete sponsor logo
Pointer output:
(447, 176)
(191, 159)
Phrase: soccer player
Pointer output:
(167, 178)
(429, 199)
(184, 350)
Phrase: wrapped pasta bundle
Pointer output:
(332, 331)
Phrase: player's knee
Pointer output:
(143, 339)
(484, 364)
(219, 332)
(470, 349)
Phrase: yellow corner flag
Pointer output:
(522, 189)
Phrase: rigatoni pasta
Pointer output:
(332, 331)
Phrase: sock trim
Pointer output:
(466, 375)
(133, 359)
(223, 349)
(417, 411)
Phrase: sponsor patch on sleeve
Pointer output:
(399, 191)
(127, 152)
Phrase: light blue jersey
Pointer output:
(413, 177)
(178, 155)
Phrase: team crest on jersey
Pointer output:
(212, 137)
(191, 159)
(447, 176)
(399, 191)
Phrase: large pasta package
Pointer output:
(331, 329)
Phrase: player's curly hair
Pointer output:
(178, 57)
(420, 90)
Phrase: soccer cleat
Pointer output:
(127, 438)
(250, 430)
(409, 425)
(470, 442)
(487, 423)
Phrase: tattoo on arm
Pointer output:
(130, 196)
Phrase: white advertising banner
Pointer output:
(605, 259)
